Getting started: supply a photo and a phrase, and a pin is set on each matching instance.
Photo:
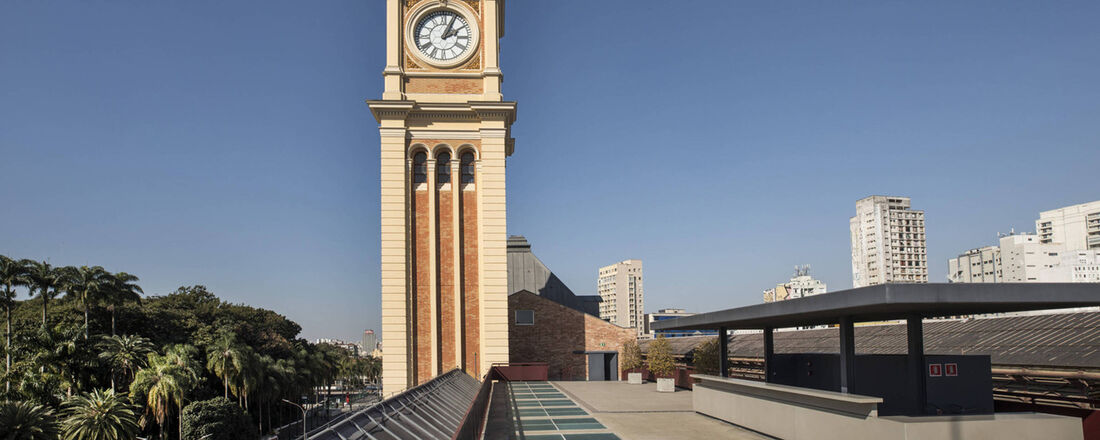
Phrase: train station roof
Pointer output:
(895, 301)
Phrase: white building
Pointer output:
(622, 294)
(800, 285)
(1023, 256)
(1077, 226)
(888, 242)
(1081, 266)
(981, 265)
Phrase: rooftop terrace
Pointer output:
(599, 411)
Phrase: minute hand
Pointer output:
(450, 31)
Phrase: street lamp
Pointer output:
(303, 416)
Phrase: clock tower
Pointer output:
(446, 132)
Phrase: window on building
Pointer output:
(525, 317)
(443, 168)
(467, 162)
(420, 170)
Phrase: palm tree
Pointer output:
(161, 384)
(45, 279)
(182, 357)
(12, 274)
(27, 421)
(225, 359)
(120, 289)
(86, 283)
(100, 415)
(124, 353)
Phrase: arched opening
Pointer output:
(420, 167)
(467, 167)
(443, 168)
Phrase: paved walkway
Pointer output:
(639, 412)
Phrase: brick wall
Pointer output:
(558, 332)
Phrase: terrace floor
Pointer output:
(599, 411)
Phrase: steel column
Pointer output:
(723, 352)
(769, 352)
(914, 327)
(847, 354)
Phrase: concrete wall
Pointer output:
(802, 414)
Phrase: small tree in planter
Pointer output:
(706, 357)
(632, 361)
(660, 363)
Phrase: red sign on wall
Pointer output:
(935, 370)
(950, 369)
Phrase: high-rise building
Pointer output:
(982, 265)
(800, 285)
(622, 294)
(369, 342)
(888, 242)
(445, 133)
(1077, 226)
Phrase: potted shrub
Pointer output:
(659, 361)
(632, 361)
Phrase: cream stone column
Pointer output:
(394, 231)
(491, 72)
(496, 117)
(392, 73)
(456, 255)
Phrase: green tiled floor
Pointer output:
(542, 412)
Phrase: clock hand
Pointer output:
(447, 33)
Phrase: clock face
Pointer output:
(443, 36)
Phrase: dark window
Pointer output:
(467, 167)
(443, 168)
(420, 168)
(525, 317)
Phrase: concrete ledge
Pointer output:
(852, 404)
(793, 413)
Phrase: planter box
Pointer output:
(666, 385)
(634, 378)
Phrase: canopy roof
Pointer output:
(894, 301)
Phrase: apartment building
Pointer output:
(1077, 226)
(622, 294)
(888, 242)
(982, 265)
(800, 285)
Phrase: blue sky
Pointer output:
(227, 143)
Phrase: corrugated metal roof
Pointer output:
(1068, 340)
(432, 410)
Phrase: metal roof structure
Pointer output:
(893, 301)
(432, 410)
(1060, 340)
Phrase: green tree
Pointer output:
(120, 289)
(86, 284)
(659, 359)
(216, 419)
(632, 355)
(226, 359)
(161, 384)
(705, 357)
(27, 421)
(46, 279)
(13, 273)
(100, 415)
(124, 354)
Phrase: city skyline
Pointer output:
(268, 203)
